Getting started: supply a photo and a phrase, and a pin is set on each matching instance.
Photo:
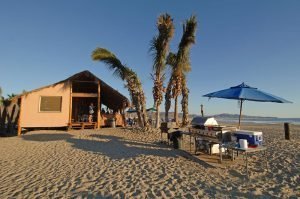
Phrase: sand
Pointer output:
(118, 163)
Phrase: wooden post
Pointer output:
(98, 105)
(287, 131)
(175, 110)
(70, 105)
(123, 117)
(19, 120)
(241, 106)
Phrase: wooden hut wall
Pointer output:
(32, 116)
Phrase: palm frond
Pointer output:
(111, 61)
(188, 38)
(159, 45)
(171, 60)
(189, 31)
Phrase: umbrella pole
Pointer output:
(241, 106)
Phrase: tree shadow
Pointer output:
(114, 147)
(237, 174)
(117, 148)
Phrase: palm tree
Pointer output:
(160, 48)
(189, 38)
(180, 63)
(133, 83)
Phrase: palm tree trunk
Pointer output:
(137, 106)
(157, 96)
(157, 124)
(168, 97)
(137, 97)
(176, 110)
(140, 114)
(140, 119)
(157, 114)
(185, 102)
(143, 110)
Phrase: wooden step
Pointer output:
(83, 125)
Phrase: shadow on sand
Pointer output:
(114, 147)
(43, 137)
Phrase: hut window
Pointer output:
(50, 104)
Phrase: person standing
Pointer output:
(91, 112)
(202, 112)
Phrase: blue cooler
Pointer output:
(254, 138)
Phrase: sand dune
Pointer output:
(124, 164)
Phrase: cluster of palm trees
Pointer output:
(179, 64)
(6, 114)
(3, 100)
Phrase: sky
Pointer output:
(251, 41)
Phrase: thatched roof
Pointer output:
(109, 96)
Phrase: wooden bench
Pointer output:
(83, 125)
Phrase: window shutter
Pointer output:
(50, 104)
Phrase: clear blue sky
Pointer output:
(258, 42)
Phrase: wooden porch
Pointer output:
(86, 89)
(83, 125)
(104, 122)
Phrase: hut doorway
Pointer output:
(84, 93)
(80, 109)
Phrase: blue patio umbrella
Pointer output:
(131, 110)
(151, 109)
(244, 92)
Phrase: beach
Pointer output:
(121, 163)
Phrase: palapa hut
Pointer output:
(66, 104)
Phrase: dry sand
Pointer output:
(117, 163)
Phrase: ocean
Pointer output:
(260, 120)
